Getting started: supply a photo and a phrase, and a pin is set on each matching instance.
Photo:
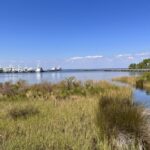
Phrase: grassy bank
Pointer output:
(141, 82)
(70, 115)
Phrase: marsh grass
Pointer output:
(119, 115)
(67, 116)
(141, 82)
(22, 112)
(125, 79)
(122, 123)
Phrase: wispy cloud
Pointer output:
(118, 60)
(93, 57)
(123, 55)
(85, 58)
(135, 56)
(75, 58)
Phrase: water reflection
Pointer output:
(54, 77)
(58, 76)
(141, 97)
(135, 73)
(39, 77)
(148, 92)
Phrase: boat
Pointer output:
(39, 69)
(56, 69)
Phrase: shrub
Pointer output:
(69, 87)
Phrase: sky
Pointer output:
(74, 33)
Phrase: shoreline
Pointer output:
(86, 70)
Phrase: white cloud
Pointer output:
(75, 58)
(123, 55)
(118, 60)
(85, 58)
(93, 57)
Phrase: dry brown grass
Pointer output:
(65, 115)
(140, 82)
(125, 79)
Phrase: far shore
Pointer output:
(84, 70)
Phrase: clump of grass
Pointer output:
(38, 91)
(125, 79)
(7, 89)
(10, 91)
(140, 83)
(146, 76)
(23, 112)
(69, 87)
(42, 87)
(146, 81)
(117, 116)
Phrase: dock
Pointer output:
(107, 70)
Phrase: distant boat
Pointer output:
(30, 70)
(56, 69)
(39, 69)
(1, 70)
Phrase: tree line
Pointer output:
(145, 64)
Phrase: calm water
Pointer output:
(54, 77)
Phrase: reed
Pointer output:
(140, 82)
(22, 112)
(69, 115)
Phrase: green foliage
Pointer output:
(132, 66)
(145, 64)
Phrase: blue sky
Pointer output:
(74, 33)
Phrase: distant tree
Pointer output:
(132, 66)
(145, 64)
